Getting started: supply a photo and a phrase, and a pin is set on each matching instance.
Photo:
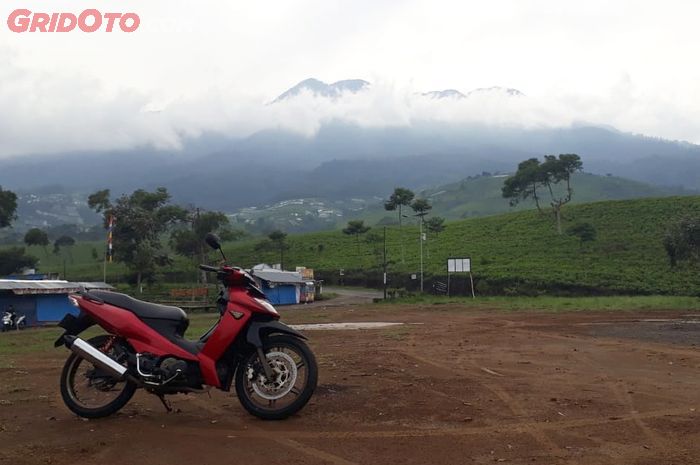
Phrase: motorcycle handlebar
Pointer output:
(213, 269)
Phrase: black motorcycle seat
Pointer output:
(144, 310)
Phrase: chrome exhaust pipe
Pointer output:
(93, 355)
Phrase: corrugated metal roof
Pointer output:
(21, 286)
(95, 285)
(277, 276)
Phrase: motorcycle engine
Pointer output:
(161, 370)
(170, 367)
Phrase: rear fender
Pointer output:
(73, 326)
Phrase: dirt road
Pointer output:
(450, 386)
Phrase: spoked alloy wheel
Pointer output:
(294, 381)
(90, 392)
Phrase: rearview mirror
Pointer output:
(213, 241)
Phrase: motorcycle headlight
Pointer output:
(267, 305)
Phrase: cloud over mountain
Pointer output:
(66, 112)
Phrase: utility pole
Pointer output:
(384, 264)
(104, 266)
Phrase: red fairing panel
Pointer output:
(123, 323)
(230, 328)
(223, 336)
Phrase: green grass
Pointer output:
(79, 261)
(517, 253)
(33, 340)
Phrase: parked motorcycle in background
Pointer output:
(10, 321)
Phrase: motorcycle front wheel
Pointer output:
(295, 378)
(90, 393)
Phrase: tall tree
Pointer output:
(8, 207)
(190, 242)
(64, 243)
(356, 228)
(682, 241)
(13, 259)
(401, 197)
(549, 175)
(421, 207)
(524, 183)
(140, 220)
(36, 236)
(435, 225)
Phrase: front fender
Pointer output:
(258, 329)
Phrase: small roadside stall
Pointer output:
(280, 287)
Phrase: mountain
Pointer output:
(344, 159)
(321, 89)
(447, 93)
(455, 94)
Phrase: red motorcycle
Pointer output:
(274, 371)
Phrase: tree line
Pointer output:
(146, 221)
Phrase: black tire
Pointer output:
(110, 408)
(245, 396)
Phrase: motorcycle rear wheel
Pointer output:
(80, 373)
(295, 382)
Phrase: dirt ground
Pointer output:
(451, 386)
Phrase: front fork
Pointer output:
(260, 329)
(269, 373)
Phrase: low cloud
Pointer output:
(53, 112)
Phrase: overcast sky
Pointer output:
(211, 65)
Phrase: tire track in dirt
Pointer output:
(512, 427)
(515, 406)
(313, 452)
(217, 410)
(621, 395)
(658, 348)
(605, 341)
(624, 398)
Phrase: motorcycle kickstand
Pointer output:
(165, 402)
